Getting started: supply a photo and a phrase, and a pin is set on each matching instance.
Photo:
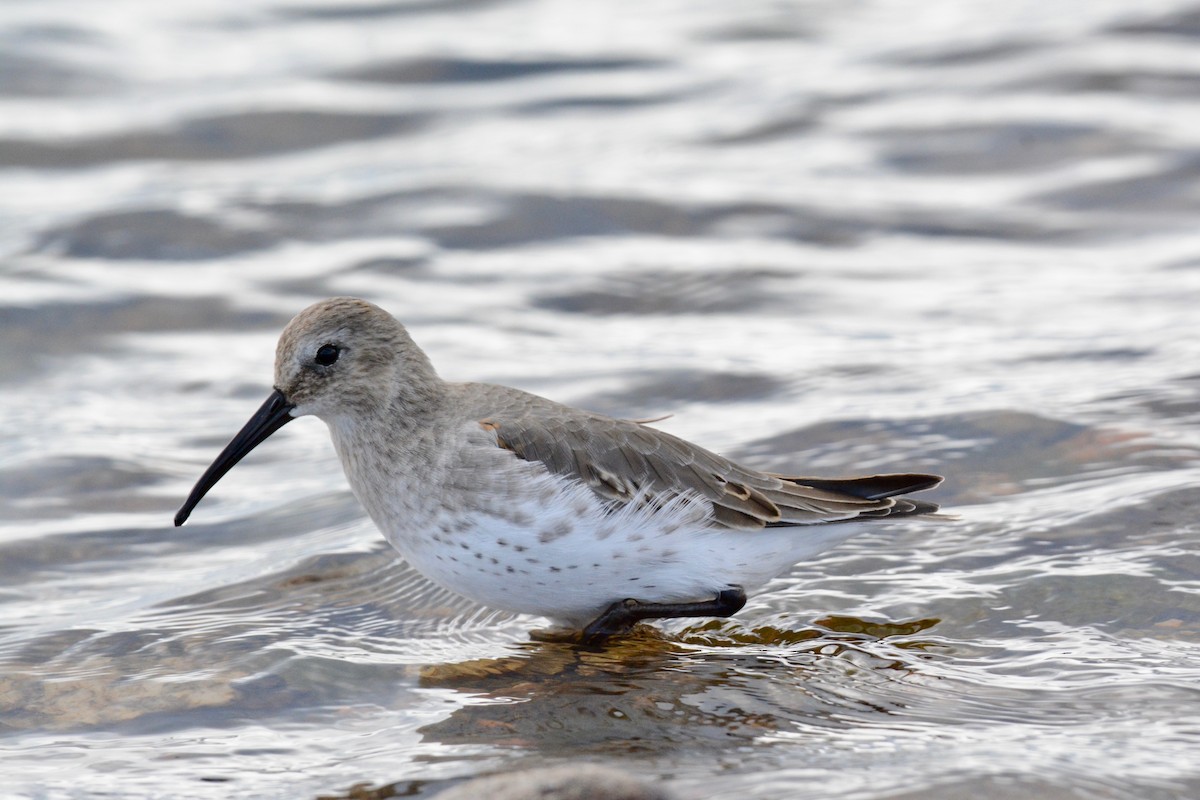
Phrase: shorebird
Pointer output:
(535, 507)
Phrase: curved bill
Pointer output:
(273, 415)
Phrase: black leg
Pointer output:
(624, 614)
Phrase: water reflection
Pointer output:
(654, 692)
(969, 249)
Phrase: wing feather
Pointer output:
(622, 459)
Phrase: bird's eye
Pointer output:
(327, 354)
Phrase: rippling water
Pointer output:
(826, 237)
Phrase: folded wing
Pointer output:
(623, 459)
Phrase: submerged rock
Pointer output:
(568, 782)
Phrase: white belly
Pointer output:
(560, 552)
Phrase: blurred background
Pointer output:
(827, 237)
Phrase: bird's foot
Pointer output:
(619, 618)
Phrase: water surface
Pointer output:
(826, 238)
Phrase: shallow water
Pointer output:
(825, 237)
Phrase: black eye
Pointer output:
(327, 354)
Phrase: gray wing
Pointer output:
(623, 459)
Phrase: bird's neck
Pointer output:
(392, 452)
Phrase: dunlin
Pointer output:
(523, 504)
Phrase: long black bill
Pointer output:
(273, 415)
